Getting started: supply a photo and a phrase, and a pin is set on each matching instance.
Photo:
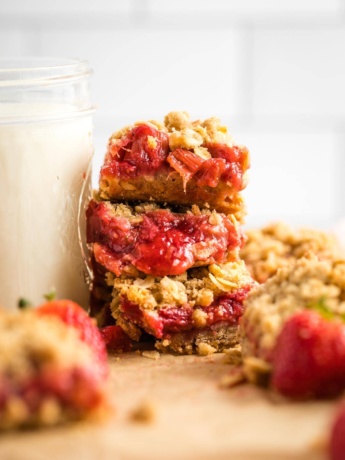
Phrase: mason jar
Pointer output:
(45, 155)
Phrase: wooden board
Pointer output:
(193, 419)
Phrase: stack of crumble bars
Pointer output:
(164, 234)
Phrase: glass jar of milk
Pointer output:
(45, 152)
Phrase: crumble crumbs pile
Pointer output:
(278, 244)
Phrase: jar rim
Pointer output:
(33, 71)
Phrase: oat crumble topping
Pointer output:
(197, 287)
(278, 244)
(295, 287)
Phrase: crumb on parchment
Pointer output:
(145, 412)
(151, 354)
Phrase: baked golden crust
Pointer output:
(303, 284)
(170, 189)
(203, 342)
(278, 244)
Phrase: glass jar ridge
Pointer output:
(44, 89)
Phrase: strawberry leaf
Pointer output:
(50, 295)
(321, 307)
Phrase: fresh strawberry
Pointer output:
(309, 359)
(75, 316)
(337, 440)
(115, 338)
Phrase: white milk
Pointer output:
(42, 170)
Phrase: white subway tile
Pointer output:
(247, 7)
(299, 72)
(145, 73)
(292, 178)
(80, 7)
(10, 43)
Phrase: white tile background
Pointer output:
(273, 70)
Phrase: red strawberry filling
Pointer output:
(144, 150)
(162, 323)
(77, 391)
(115, 338)
(161, 243)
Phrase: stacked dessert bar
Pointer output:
(164, 234)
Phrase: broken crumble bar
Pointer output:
(47, 373)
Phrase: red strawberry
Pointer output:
(309, 359)
(337, 441)
(115, 338)
(75, 316)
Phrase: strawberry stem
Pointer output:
(50, 296)
(24, 303)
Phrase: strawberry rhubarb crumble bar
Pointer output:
(178, 161)
(164, 234)
(184, 313)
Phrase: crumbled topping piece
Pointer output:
(256, 370)
(145, 413)
(186, 139)
(199, 318)
(234, 378)
(204, 349)
(173, 292)
(234, 355)
(176, 120)
(151, 354)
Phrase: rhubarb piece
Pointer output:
(276, 245)
(157, 241)
(203, 305)
(181, 162)
(48, 374)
